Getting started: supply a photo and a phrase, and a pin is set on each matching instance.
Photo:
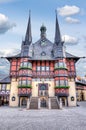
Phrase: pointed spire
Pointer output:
(28, 37)
(57, 31)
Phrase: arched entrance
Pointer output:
(43, 103)
(23, 102)
(64, 101)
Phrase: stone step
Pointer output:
(34, 103)
(54, 103)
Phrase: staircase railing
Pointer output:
(58, 102)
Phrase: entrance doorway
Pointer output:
(64, 101)
(23, 102)
(43, 89)
(43, 103)
(4, 100)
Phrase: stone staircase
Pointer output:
(54, 103)
(34, 103)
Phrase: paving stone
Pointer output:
(72, 118)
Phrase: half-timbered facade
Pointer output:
(43, 74)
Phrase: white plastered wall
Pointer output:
(72, 93)
(14, 92)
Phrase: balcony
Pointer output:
(42, 73)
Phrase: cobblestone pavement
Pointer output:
(73, 118)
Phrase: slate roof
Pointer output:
(43, 49)
(38, 50)
(81, 83)
(6, 80)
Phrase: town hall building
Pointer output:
(42, 75)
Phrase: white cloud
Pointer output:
(5, 24)
(69, 40)
(68, 10)
(9, 52)
(71, 20)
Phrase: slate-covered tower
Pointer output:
(43, 74)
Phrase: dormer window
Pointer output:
(43, 53)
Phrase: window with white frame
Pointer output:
(56, 65)
(20, 82)
(57, 83)
(29, 65)
(61, 64)
(25, 64)
(66, 82)
(43, 68)
(23, 82)
(62, 83)
(21, 64)
(38, 68)
(47, 68)
(3, 87)
(28, 82)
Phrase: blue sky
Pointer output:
(72, 20)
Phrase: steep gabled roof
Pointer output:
(5, 80)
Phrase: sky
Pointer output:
(72, 21)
